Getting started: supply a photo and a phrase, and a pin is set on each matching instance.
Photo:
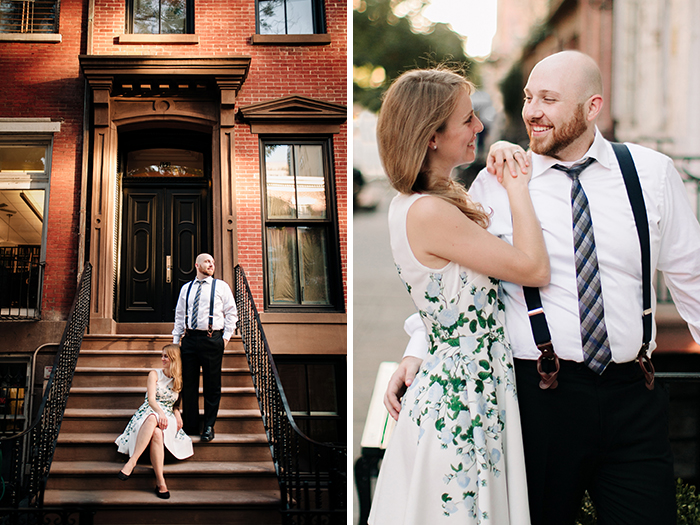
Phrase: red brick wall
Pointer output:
(225, 29)
(42, 80)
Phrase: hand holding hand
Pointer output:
(518, 182)
(503, 154)
(400, 380)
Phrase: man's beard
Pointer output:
(561, 138)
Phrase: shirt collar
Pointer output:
(600, 150)
(207, 279)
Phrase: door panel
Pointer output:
(139, 252)
(159, 222)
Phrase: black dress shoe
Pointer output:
(208, 434)
(123, 476)
(162, 495)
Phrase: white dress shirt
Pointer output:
(675, 245)
(225, 313)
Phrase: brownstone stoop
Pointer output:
(228, 481)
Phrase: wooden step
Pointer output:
(137, 507)
(101, 447)
(86, 376)
(186, 474)
(246, 421)
(146, 359)
(133, 397)
(140, 342)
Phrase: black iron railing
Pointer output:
(27, 456)
(312, 476)
(20, 283)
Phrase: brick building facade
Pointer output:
(134, 139)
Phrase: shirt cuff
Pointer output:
(418, 345)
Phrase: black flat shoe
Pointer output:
(123, 476)
(162, 495)
(208, 434)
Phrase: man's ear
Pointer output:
(593, 107)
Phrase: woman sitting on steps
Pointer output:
(157, 422)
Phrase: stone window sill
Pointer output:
(31, 38)
(291, 40)
(129, 38)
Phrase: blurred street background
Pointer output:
(649, 55)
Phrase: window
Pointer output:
(160, 17)
(290, 17)
(24, 183)
(300, 229)
(14, 390)
(315, 388)
(29, 16)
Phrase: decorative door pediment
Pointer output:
(293, 114)
(169, 77)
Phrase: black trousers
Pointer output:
(199, 351)
(606, 434)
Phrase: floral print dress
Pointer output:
(456, 454)
(176, 441)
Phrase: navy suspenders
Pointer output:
(211, 306)
(538, 321)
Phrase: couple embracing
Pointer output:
(532, 383)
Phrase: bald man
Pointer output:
(205, 318)
(600, 429)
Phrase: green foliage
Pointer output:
(687, 502)
(587, 515)
(381, 39)
(512, 90)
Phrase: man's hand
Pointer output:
(502, 154)
(400, 380)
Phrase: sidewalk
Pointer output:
(381, 304)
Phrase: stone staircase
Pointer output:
(228, 481)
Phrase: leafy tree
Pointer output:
(381, 39)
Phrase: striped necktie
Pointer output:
(594, 335)
(195, 305)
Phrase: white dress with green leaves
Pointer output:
(176, 441)
(456, 454)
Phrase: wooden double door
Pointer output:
(164, 228)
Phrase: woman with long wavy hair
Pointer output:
(455, 455)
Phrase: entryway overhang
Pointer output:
(131, 91)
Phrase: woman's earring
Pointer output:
(435, 147)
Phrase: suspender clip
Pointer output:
(548, 379)
(646, 365)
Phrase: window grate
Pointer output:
(14, 389)
(29, 16)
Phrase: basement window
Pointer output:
(14, 390)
